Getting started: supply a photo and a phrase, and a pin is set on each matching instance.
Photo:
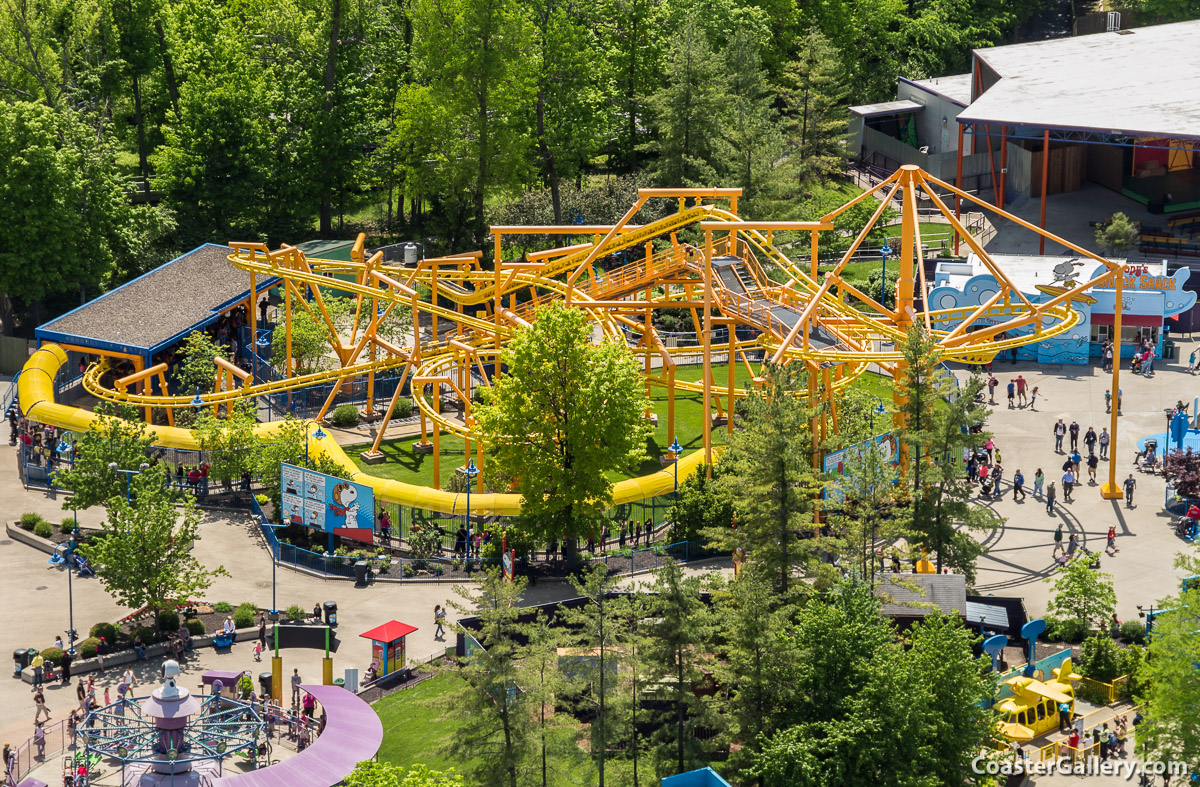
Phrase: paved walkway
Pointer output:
(1017, 563)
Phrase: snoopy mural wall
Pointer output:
(324, 502)
(1150, 296)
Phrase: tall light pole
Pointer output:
(675, 448)
(141, 469)
(471, 471)
(317, 435)
(883, 253)
(71, 545)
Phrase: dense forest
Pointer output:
(133, 129)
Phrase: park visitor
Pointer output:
(1039, 481)
(1058, 544)
(1073, 430)
(1050, 498)
(1060, 429)
(1130, 484)
(1103, 441)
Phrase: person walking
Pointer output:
(1092, 463)
(1073, 429)
(1108, 401)
(439, 620)
(1068, 481)
(1050, 498)
(997, 474)
(1102, 441)
(296, 681)
(1060, 429)
(1021, 386)
(39, 740)
(1039, 481)
(1111, 548)
(1076, 460)
(65, 667)
(1072, 545)
(991, 384)
(1130, 484)
(1089, 440)
(39, 707)
(1058, 544)
(990, 447)
(1018, 485)
(1032, 397)
(1148, 361)
(983, 479)
(1012, 393)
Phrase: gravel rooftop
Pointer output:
(169, 300)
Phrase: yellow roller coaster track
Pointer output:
(823, 322)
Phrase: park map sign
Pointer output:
(328, 503)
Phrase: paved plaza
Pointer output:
(1017, 563)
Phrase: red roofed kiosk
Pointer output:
(387, 646)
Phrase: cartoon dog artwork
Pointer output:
(344, 508)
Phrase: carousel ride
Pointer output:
(748, 300)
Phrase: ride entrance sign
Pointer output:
(335, 505)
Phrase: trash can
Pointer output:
(20, 661)
(1168, 350)
(360, 574)
(264, 682)
(330, 613)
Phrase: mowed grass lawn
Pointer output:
(404, 465)
(417, 728)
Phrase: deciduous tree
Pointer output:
(119, 437)
(564, 413)
(1083, 593)
(144, 557)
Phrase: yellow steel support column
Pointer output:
(671, 406)
(729, 361)
(706, 337)
(813, 252)
(287, 330)
(277, 679)
(437, 437)
(1112, 489)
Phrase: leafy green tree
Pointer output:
(495, 726)
(287, 445)
(565, 413)
(145, 555)
(198, 369)
(568, 72)
(230, 442)
(544, 683)
(688, 108)
(917, 718)
(704, 503)
(481, 85)
(755, 660)
(634, 619)
(675, 661)
(869, 509)
(1168, 732)
(599, 636)
(815, 124)
(1166, 11)
(385, 774)
(65, 222)
(632, 41)
(768, 477)
(935, 430)
(1118, 236)
(1082, 593)
(118, 437)
(752, 138)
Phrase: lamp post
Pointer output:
(675, 448)
(471, 471)
(879, 408)
(1149, 615)
(883, 253)
(274, 560)
(71, 545)
(317, 435)
(141, 469)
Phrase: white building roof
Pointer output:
(887, 108)
(1026, 272)
(956, 87)
(1141, 82)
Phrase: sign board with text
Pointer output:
(327, 503)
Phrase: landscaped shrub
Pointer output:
(1133, 631)
(106, 630)
(1100, 658)
(344, 416)
(87, 648)
(43, 529)
(404, 407)
(52, 655)
(67, 526)
(223, 607)
(148, 635)
(168, 620)
(295, 612)
(1072, 631)
(29, 520)
(243, 616)
(195, 627)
